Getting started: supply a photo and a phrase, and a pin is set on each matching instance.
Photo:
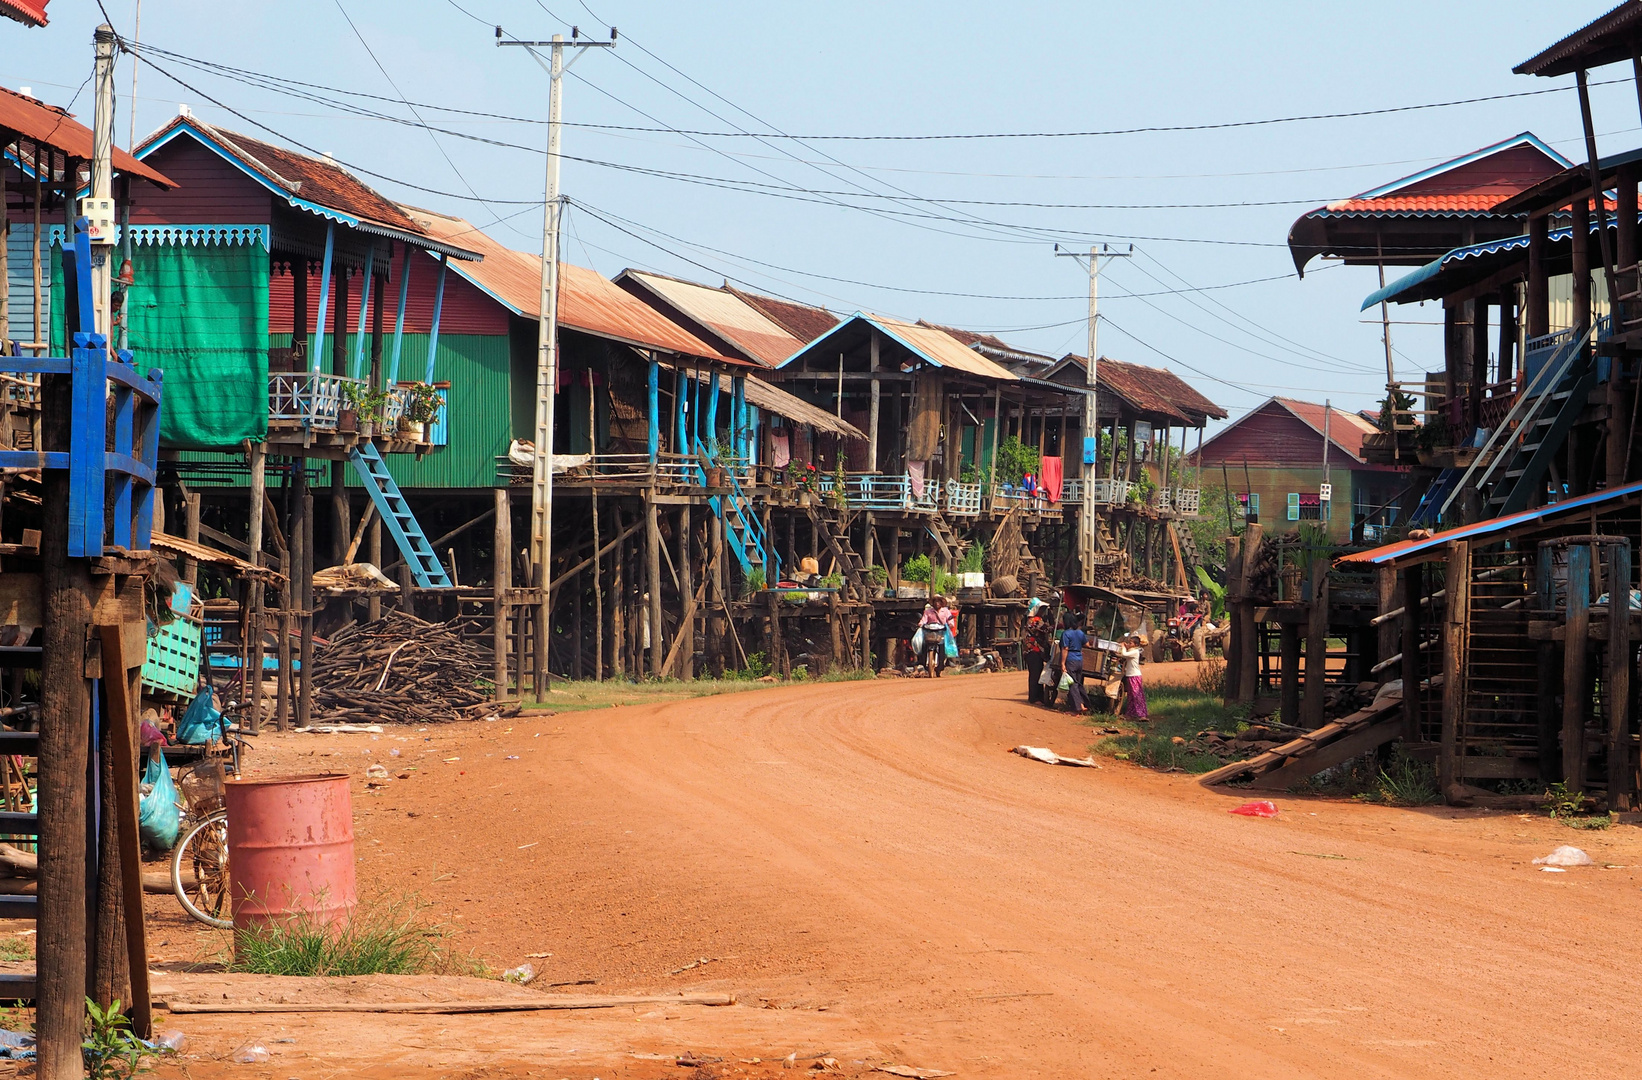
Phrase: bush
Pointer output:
(974, 560)
(878, 575)
(1015, 460)
(915, 569)
(379, 938)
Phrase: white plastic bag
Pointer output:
(1566, 855)
(918, 642)
(1046, 677)
(1065, 681)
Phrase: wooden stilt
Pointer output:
(304, 599)
(618, 603)
(501, 580)
(652, 580)
(1456, 628)
(65, 727)
(1290, 699)
(686, 589)
(1616, 689)
(258, 590)
(1316, 646)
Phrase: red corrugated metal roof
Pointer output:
(1345, 429)
(27, 12)
(1150, 389)
(1393, 204)
(311, 179)
(587, 301)
(802, 321)
(35, 120)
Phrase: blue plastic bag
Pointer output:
(201, 724)
(158, 819)
(951, 645)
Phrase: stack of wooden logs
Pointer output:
(399, 669)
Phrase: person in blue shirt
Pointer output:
(1072, 641)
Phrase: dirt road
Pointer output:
(869, 864)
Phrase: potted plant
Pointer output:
(366, 403)
(809, 482)
(915, 576)
(840, 488)
(421, 408)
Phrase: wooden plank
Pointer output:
(1354, 744)
(122, 721)
(1574, 699)
(20, 599)
(1456, 632)
(1316, 647)
(1476, 766)
(1413, 578)
(1616, 689)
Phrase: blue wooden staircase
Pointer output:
(425, 568)
(742, 528)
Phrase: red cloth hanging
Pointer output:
(1049, 477)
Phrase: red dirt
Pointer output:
(876, 878)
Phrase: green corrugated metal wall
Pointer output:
(480, 421)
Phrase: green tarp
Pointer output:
(199, 313)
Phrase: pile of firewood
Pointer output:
(399, 669)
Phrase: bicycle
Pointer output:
(204, 847)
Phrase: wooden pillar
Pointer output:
(1581, 248)
(872, 409)
(686, 592)
(1538, 314)
(191, 531)
(1507, 335)
(304, 586)
(718, 621)
(1316, 645)
(1625, 205)
(773, 601)
(1616, 680)
(1455, 642)
(1479, 360)
(1453, 353)
(373, 552)
(1248, 654)
(652, 559)
(501, 579)
(65, 728)
(1388, 583)
(257, 590)
(1575, 651)
(1234, 597)
(618, 601)
(1413, 579)
(1289, 634)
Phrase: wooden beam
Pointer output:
(122, 741)
(1456, 640)
(1616, 689)
(1574, 653)
(1316, 646)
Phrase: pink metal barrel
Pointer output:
(290, 844)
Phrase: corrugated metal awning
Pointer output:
(1411, 549)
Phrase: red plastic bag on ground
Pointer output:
(1262, 808)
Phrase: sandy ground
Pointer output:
(876, 878)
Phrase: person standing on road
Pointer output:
(1134, 689)
(1035, 650)
(1072, 640)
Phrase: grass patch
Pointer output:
(380, 938)
(13, 950)
(1177, 712)
(1404, 781)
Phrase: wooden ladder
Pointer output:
(849, 564)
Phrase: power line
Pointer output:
(1247, 388)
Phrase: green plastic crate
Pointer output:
(173, 662)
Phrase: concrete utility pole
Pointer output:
(98, 207)
(1091, 418)
(547, 343)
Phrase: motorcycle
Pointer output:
(1178, 638)
(932, 653)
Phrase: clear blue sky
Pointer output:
(851, 68)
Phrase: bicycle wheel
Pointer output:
(204, 851)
